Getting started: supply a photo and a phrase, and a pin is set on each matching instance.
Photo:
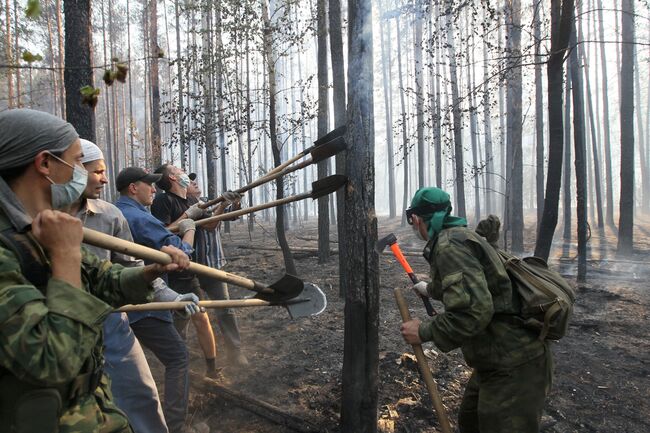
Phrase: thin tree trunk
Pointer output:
(459, 163)
(607, 157)
(487, 121)
(388, 109)
(594, 136)
(182, 143)
(515, 122)
(405, 143)
(9, 54)
(323, 122)
(473, 119)
(437, 132)
(53, 84)
(275, 146)
(626, 209)
(561, 25)
(580, 159)
(419, 95)
(539, 113)
(59, 31)
(17, 55)
(566, 177)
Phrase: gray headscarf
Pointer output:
(24, 133)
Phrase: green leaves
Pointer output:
(31, 58)
(33, 9)
(89, 95)
(118, 72)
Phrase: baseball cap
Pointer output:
(134, 174)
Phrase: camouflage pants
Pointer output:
(509, 400)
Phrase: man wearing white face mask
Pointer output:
(55, 295)
(171, 207)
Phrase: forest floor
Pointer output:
(602, 367)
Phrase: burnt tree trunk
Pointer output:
(78, 52)
(580, 158)
(459, 164)
(275, 145)
(561, 25)
(323, 123)
(360, 374)
(626, 204)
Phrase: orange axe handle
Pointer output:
(397, 252)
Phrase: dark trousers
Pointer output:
(507, 400)
(226, 319)
(163, 340)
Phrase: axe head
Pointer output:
(384, 242)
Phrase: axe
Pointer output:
(391, 241)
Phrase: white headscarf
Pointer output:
(91, 151)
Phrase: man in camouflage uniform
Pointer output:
(512, 369)
(54, 295)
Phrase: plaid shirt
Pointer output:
(207, 246)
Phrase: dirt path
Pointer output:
(602, 373)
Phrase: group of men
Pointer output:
(68, 363)
(64, 354)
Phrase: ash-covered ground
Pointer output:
(602, 367)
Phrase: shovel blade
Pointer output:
(338, 132)
(327, 185)
(286, 288)
(311, 302)
(328, 149)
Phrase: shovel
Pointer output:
(336, 133)
(320, 188)
(311, 302)
(287, 287)
(318, 153)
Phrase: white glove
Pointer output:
(195, 212)
(231, 196)
(185, 226)
(421, 288)
(191, 308)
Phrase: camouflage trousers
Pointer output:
(508, 400)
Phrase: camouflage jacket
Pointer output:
(47, 338)
(470, 280)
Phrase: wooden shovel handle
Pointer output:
(238, 213)
(107, 242)
(262, 180)
(424, 367)
(159, 306)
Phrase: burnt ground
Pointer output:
(602, 367)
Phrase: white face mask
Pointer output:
(183, 180)
(64, 194)
(416, 230)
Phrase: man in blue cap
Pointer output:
(512, 368)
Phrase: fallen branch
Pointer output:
(251, 404)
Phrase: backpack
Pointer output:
(546, 297)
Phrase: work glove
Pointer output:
(421, 288)
(190, 309)
(232, 196)
(195, 212)
(185, 226)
